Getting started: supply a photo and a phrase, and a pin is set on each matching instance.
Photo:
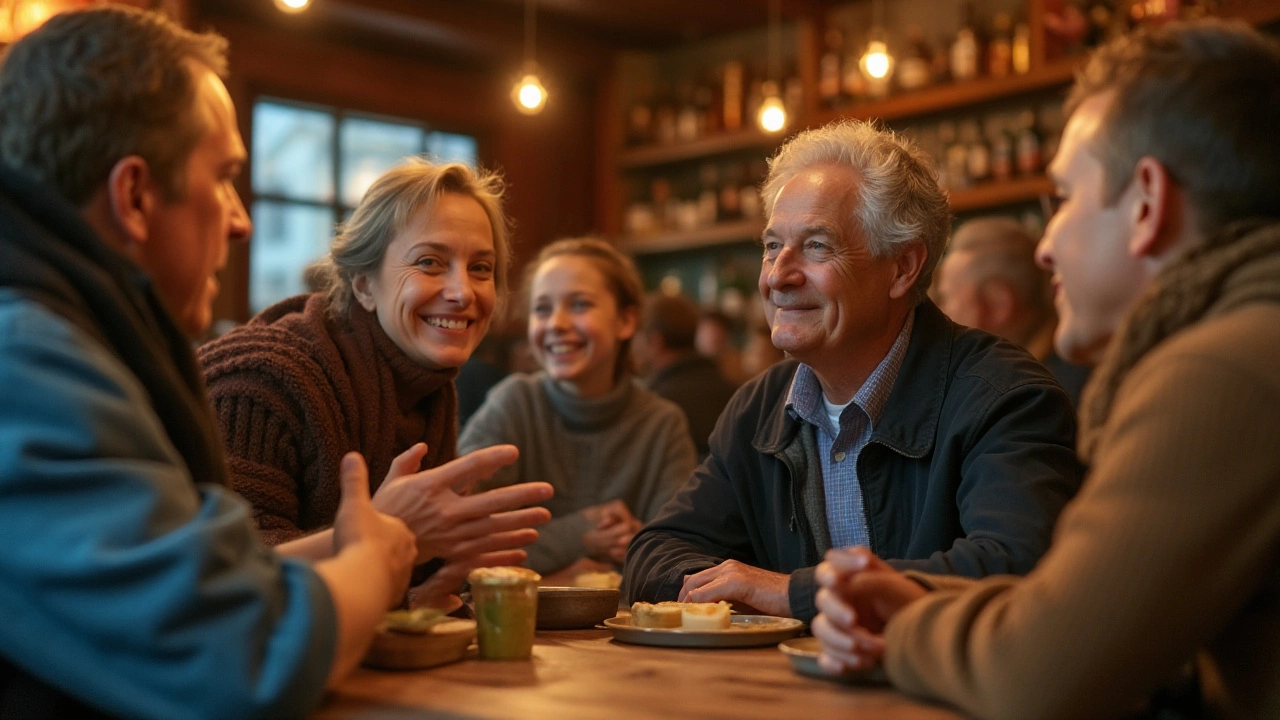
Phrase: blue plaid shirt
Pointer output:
(839, 447)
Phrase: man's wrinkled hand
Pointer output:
(741, 584)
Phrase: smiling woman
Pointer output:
(367, 363)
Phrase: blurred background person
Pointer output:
(714, 339)
(676, 370)
(614, 451)
(989, 280)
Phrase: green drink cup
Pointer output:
(506, 604)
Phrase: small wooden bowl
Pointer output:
(442, 643)
(569, 608)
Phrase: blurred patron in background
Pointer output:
(945, 448)
(989, 280)
(367, 363)
(675, 369)
(1165, 256)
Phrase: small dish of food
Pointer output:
(704, 625)
(417, 639)
(569, 608)
(803, 654)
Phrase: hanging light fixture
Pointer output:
(876, 63)
(292, 6)
(528, 94)
(773, 112)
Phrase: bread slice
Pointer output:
(662, 615)
(705, 616)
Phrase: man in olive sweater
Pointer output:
(1166, 262)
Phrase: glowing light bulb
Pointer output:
(529, 95)
(876, 62)
(292, 6)
(773, 114)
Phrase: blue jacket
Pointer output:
(965, 473)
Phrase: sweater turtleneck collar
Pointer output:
(588, 414)
(413, 381)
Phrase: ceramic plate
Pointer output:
(744, 631)
(803, 654)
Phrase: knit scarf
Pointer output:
(53, 257)
(1236, 267)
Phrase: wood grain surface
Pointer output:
(586, 674)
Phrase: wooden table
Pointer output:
(586, 674)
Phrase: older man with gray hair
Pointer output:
(941, 447)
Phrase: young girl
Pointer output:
(613, 451)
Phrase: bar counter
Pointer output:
(586, 674)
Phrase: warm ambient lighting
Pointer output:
(773, 114)
(19, 17)
(529, 95)
(876, 62)
(292, 6)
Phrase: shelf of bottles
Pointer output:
(978, 84)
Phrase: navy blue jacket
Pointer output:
(965, 473)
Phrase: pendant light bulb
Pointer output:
(292, 6)
(876, 62)
(529, 95)
(773, 114)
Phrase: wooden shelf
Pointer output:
(721, 234)
(952, 96)
(995, 194)
(653, 155)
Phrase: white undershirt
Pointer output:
(834, 412)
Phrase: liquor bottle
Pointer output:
(957, 156)
(708, 195)
(793, 93)
(1002, 153)
(706, 98)
(965, 49)
(1021, 48)
(1029, 158)
(732, 96)
(687, 116)
(1000, 49)
(729, 201)
(640, 123)
(978, 152)
(853, 84)
(915, 70)
(664, 119)
(755, 94)
(829, 70)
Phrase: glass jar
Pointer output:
(506, 606)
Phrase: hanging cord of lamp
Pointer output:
(529, 95)
(876, 62)
(773, 113)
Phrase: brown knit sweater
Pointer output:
(1171, 549)
(295, 390)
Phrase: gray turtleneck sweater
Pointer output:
(629, 445)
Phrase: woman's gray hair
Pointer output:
(901, 201)
(386, 209)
